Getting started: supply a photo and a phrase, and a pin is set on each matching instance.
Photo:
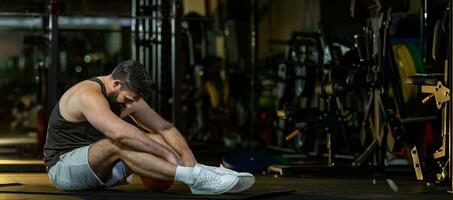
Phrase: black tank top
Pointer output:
(64, 136)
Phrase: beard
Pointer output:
(115, 107)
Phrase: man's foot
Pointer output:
(246, 180)
(207, 181)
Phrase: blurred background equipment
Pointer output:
(289, 88)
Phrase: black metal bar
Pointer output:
(450, 85)
(362, 157)
(253, 54)
(141, 34)
(158, 58)
(134, 30)
(176, 63)
(154, 51)
(418, 119)
(147, 38)
(424, 28)
(52, 72)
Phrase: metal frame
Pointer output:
(379, 124)
(156, 44)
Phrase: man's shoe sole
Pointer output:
(243, 183)
(195, 191)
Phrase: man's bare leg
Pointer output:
(188, 159)
(104, 154)
(160, 139)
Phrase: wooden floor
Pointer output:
(37, 186)
(314, 184)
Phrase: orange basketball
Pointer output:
(156, 185)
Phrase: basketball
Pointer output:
(156, 185)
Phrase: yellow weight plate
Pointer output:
(406, 68)
(412, 71)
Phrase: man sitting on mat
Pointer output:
(90, 146)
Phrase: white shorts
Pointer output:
(72, 172)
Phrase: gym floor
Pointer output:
(38, 186)
(318, 183)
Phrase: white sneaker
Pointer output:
(246, 180)
(207, 181)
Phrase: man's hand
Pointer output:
(188, 159)
(174, 159)
(143, 114)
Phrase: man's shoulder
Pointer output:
(76, 98)
(88, 86)
(84, 89)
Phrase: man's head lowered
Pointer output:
(130, 84)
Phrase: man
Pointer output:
(89, 146)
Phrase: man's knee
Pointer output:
(102, 156)
(106, 147)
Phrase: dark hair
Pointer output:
(133, 77)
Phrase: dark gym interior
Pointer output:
(319, 99)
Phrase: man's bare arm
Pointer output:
(96, 110)
(177, 141)
(149, 118)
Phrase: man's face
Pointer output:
(122, 98)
